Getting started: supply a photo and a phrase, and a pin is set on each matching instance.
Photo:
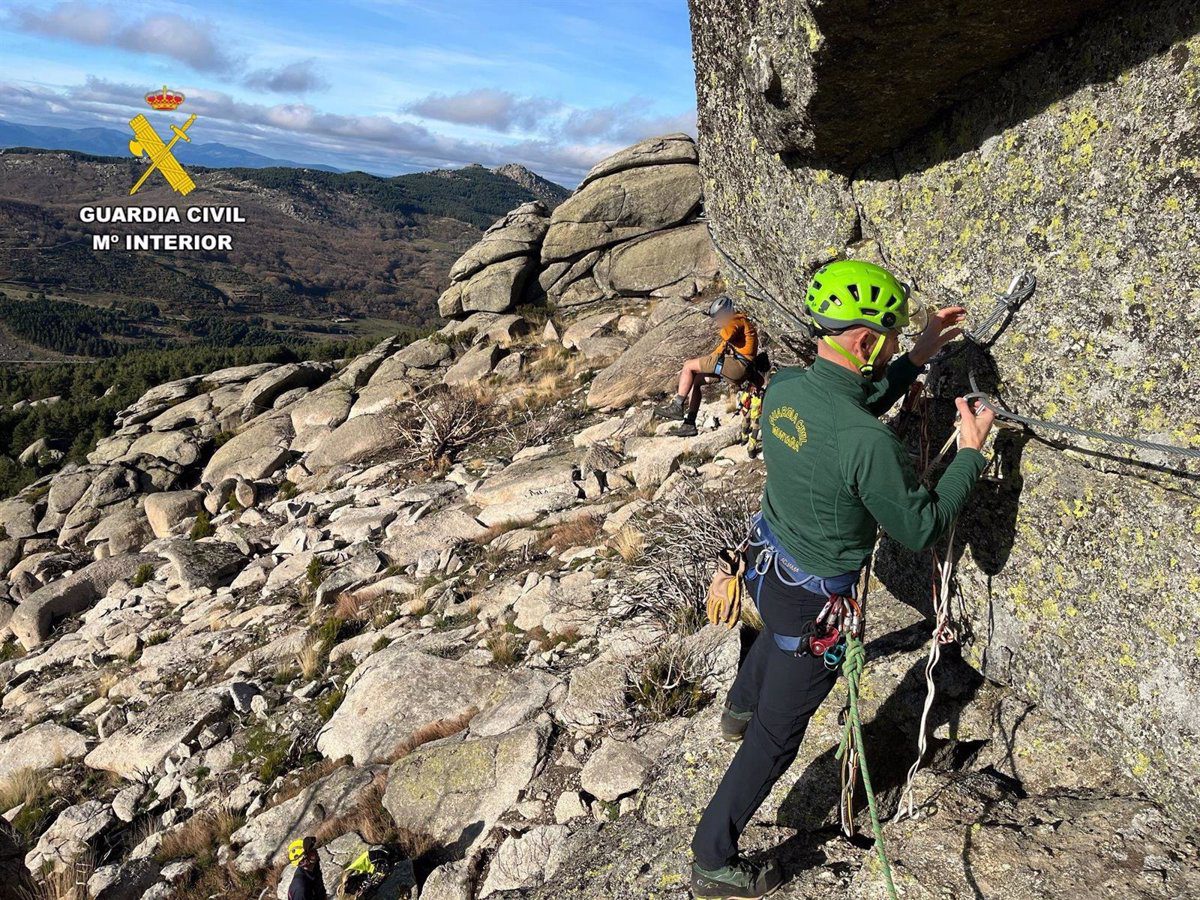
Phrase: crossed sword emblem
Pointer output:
(146, 140)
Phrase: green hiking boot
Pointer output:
(735, 723)
(672, 410)
(739, 881)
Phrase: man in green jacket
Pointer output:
(834, 472)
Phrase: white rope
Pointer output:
(943, 633)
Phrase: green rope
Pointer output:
(852, 739)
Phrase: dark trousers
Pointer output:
(784, 690)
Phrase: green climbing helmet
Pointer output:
(851, 292)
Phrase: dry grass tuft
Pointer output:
(353, 606)
(311, 658)
(24, 786)
(199, 837)
(495, 531)
(375, 825)
(581, 532)
(69, 883)
(630, 544)
(434, 731)
(504, 647)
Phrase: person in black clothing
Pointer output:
(308, 883)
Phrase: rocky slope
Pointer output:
(1075, 159)
(442, 601)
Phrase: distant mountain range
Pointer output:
(112, 142)
(319, 253)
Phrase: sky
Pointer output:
(386, 86)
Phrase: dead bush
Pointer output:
(433, 427)
(668, 683)
(673, 573)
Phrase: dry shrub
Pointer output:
(677, 566)
(68, 883)
(433, 427)
(630, 544)
(667, 683)
(434, 731)
(199, 837)
(581, 532)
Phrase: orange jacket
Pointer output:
(740, 336)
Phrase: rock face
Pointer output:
(678, 331)
(808, 82)
(491, 275)
(42, 747)
(457, 790)
(1072, 161)
(34, 616)
(142, 745)
(392, 695)
(629, 230)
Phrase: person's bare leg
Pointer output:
(687, 377)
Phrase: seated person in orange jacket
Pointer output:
(732, 359)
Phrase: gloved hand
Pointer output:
(725, 591)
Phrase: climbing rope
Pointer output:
(851, 749)
(850, 752)
(1006, 415)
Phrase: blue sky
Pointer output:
(388, 86)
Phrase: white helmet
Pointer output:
(722, 304)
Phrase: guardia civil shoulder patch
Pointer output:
(788, 427)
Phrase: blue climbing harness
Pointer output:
(772, 557)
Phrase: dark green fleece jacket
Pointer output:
(834, 470)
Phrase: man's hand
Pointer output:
(941, 330)
(973, 428)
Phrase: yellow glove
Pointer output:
(725, 592)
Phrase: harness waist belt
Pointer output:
(773, 555)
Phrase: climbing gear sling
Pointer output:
(749, 404)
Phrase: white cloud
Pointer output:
(296, 78)
(164, 34)
(488, 107)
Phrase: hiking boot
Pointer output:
(734, 723)
(671, 410)
(739, 881)
(687, 429)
